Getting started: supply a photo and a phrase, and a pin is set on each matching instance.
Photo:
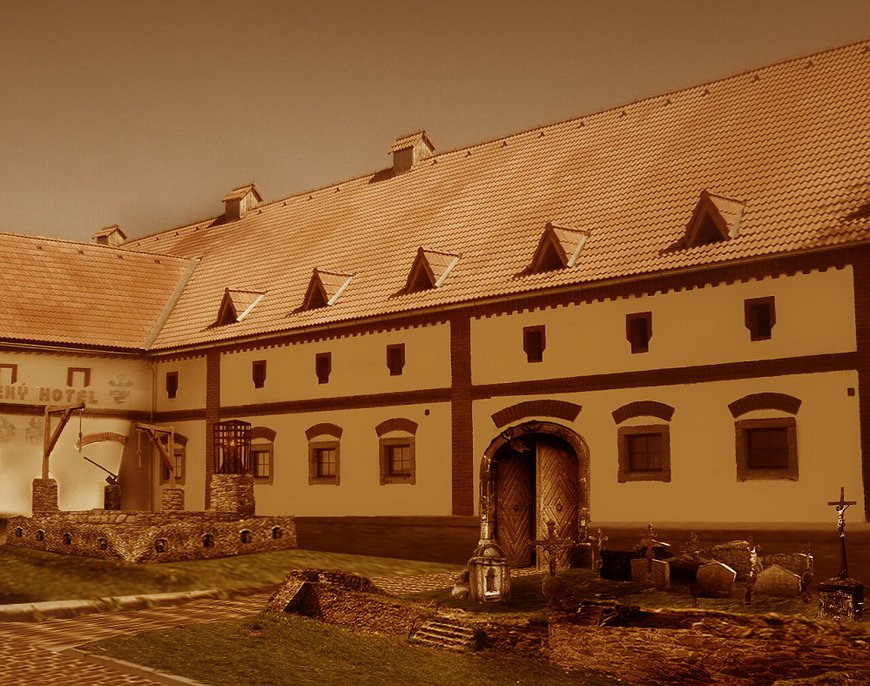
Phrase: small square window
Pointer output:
(534, 343)
(638, 331)
(759, 316)
(644, 453)
(323, 366)
(323, 463)
(396, 358)
(767, 449)
(171, 384)
(398, 461)
(258, 373)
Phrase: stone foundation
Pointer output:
(45, 495)
(151, 536)
(172, 499)
(233, 493)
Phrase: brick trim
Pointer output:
(674, 376)
(765, 401)
(323, 429)
(396, 424)
(536, 408)
(39, 410)
(102, 437)
(212, 414)
(643, 408)
(263, 432)
(861, 276)
(461, 423)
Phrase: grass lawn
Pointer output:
(288, 649)
(32, 575)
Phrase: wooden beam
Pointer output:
(153, 431)
(49, 438)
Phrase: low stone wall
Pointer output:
(705, 647)
(350, 601)
(151, 536)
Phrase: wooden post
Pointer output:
(49, 438)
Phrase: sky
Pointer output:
(145, 114)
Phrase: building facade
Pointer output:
(659, 312)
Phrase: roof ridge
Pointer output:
(97, 246)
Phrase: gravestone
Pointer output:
(735, 554)
(778, 581)
(656, 572)
(715, 580)
(841, 599)
(793, 562)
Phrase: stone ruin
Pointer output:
(229, 527)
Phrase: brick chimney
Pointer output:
(409, 150)
(240, 200)
(110, 235)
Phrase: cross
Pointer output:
(599, 542)
(552, 544)
(692, 546)
(647, 541)
(841, 506)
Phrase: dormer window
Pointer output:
(110, 235)
(558, 248)
(409, 150)
(430, 269)
(236, 305)
(240, 200)
(324, 288)
(715, 219)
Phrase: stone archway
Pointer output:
(545, 478)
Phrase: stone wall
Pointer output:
(45, 495)
(151, 536)
(704, 647)
(233, 493)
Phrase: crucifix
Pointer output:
(598, 542)
(841, 506)
(647, 541)
(553, 545)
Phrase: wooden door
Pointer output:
(513, 507)
(558, 493)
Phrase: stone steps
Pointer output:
(444, 634)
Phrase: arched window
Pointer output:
(644, 448)
(398, 460)
(766, 441)
(324, 454)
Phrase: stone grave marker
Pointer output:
(735, 554)
(778, 581)
(715, 580)
(656, 572)
(793, 562)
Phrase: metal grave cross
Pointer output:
(841, 506)
(553, 545)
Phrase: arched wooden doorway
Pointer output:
(530, 473)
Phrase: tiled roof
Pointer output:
(410, 140)
(791, 141)
(237, 304)
(85, 294)
(241, 192)
(108, 231)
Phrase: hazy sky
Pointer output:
(145, 114)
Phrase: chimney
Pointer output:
(240, 200)
(410, 149)
(110, 235)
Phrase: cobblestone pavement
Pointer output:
(34, 651)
